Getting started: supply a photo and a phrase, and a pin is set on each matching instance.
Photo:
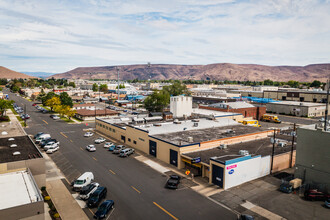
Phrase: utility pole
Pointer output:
(117, 68)
(293, 135)
(326, 107)
(271, 166)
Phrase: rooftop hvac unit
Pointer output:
(13, 145)
(281, 144)
(16, 153)
(195, 120)
(11, 139)
(195, 124)
(243, 152)
(157, 124)
(190, 139)
(176, 121)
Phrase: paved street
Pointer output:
(138, 190)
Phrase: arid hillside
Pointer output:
(11, 74)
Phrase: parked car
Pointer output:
(97, 196)
(34, 104)
(314, 194)
(38, 134)
(327, 203)
(245, 217)
(54, 117)
(42, 137)
(83, 180)
(118, 149)
(22, 116)
(108, 144)
(103, 209)
(44, 142)
(52, 149)
(99, 140)
(51, 144)
(91, 148)
(126, 152)
(27, 116)
(112, 147)
(173, 182)
(86, 191)
(88, 134)
(286, 188)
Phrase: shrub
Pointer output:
(4, 118)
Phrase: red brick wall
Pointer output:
(255, 112)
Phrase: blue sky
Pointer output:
(59, 35)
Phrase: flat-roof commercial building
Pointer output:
(313, 156)
(85, 114)
(20, 152)
(297, 95)
(20, 197)
(167, 141)
(302, 109)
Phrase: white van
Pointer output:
(83, 180)
(42, 137)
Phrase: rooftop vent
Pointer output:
(223, 146)
(195, 124)
(190, 139)
(4, 133)
(243, 152)
(13, 145)
(176, 121)
(195, 120)
(11, 139)
(16, 153)
(157, 124)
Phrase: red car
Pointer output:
(314, 194)
(34, 104)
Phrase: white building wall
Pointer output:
(180, 106)
(246, 170)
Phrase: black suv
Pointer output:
(97, 196)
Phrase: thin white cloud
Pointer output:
(56, 36)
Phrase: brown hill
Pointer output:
(218, 71)
(11, 74)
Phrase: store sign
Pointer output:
(231, 166)
(231, 171)
(196, 160)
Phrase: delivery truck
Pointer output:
(271, 118)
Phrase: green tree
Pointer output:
(157, 101)
(48, 96)
(293, 84)
(66, 99)
(268, 82)
(316, 84)
(72, 84)
(95, 87)
(104, 88)
(121, 86)
(53, 102)
(4, 104)
(176, 89)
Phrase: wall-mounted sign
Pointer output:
(187, 172)
(231, 171)
(196, 160)
(231, 167)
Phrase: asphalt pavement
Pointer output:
(138, 190)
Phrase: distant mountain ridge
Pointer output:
(11, 74)
(217, 71)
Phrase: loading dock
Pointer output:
(173, 157)
(153, 148)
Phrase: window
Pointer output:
(134, 142)
(114, 130)
(129, 140)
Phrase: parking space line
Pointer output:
(91, 211)
(136, 189)
(110, 213)
(45, 122)
(81, 148)
(164, 210)
(112, 172)
(94, 158)
(63, 134)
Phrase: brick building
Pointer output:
(246, 109)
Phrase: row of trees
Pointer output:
(61, 104)
(16, 84)
(160, 99)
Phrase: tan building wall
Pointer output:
(37, 167)
(282, 161)
(29, 211)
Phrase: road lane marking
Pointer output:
(91, 211)
(71, 141)
(164, 210)
(63, 134)
(45, 122)
(135, 189)
(81, 148)
(94, 158)
(112, 172)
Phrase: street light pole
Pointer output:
(271, 166)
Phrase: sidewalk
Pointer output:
(65, 204)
